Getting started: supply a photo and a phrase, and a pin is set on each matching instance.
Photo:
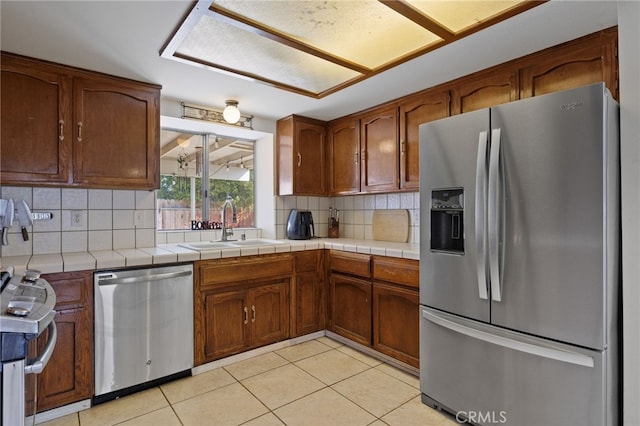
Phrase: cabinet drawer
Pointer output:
(351, 263)
(308, 261)
(243, 269)
(397, 270)
(71, 288)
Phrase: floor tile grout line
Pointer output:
(171, 405)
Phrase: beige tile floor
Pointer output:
(316, 383)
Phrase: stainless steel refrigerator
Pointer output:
(519, 261)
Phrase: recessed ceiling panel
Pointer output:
(459, 15)
(316, 48)
(365, 31)
(225, 46)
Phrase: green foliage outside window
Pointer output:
(174, 198)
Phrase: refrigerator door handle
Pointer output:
(559, 354)
(494, 216)
(481, 196)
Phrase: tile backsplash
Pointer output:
(83, 220)
(356, 212)
(105, 219)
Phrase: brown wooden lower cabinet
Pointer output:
(373, 300)
(237, 320)
(396, 285)
(241, 303)
(351, 308)
(68, 376)
(396, 322)
(309, 297)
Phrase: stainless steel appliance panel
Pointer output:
(488, 375)
(555, 259)
(451, 152)
(143, 325)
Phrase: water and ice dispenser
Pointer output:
(447, 220)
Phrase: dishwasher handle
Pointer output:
(112, 279)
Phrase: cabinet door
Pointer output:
(573, 64)
(379, 146)
(269, 313)
(310, 158)
(36, 123)
(351, 308)
(395, 322)
(226, 320)
(485, 89)
(416, 111)
(308, 302)
(309, 298)
(116, 138)
(344, 157)
(68, 377)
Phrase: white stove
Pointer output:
(26, 311)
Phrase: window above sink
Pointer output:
(197, 166)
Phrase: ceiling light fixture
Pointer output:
(231, 112)
(230, 116)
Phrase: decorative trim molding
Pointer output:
(205, 114)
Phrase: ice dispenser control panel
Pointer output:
(447, 220)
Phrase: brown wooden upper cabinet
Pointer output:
(485, 89)
(36, 122)
(117, 134)
(414, 111)
(343, 137)
(379, 168)
(301, 156)
(573, 64)
(63, 126)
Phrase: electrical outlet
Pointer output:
(138, 218)
(77, 217)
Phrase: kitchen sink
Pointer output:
(207, 245)
(216, 245)
(256, 242)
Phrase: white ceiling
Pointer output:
(124, 38)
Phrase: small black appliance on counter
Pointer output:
(300, 225)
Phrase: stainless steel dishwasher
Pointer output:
(143, 328)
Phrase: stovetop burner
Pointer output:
(26, 303)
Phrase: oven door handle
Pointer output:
(39, 363)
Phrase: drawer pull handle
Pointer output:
(79, 131)
(246, 315)
(61, 134)
(253, 313)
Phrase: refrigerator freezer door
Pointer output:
(453, 155)
(494, 375)
(557, 248)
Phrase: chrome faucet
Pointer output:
(228, 231)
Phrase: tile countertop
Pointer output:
(171, 253)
